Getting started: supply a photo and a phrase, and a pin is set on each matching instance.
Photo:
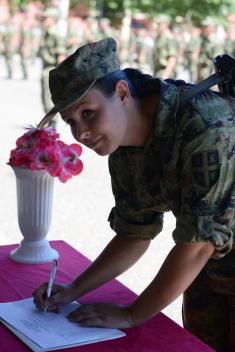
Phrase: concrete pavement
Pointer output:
(81, 206)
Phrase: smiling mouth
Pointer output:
(93, 145)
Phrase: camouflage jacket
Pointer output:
(187, 167)
(164, 48)
(51, 46)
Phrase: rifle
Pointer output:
(224, 77)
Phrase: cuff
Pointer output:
(142, 231)
(208, 228)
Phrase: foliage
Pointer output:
(189, 9)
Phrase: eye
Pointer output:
(71, 123)
(73, 127)
(87, 114)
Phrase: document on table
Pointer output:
(50, 331)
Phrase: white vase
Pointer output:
(34, 205)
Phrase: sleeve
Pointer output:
(133, 215)
(207, 210)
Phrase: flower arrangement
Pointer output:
(40, 148)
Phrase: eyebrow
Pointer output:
(76, 106)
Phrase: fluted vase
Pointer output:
(34, 207)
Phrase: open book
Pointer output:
(49, 331)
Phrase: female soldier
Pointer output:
(161, 158)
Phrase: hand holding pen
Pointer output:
(51, 279)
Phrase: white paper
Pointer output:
(48, 331)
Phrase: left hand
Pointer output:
(102, 314)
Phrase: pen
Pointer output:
(51, 279)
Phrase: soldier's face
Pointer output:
(98, 122)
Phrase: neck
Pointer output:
(140, 121)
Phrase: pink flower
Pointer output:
(69, 160)
(39, 148)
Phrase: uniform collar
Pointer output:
(164, 119)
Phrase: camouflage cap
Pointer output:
(74, 76)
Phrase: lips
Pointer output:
(94, 144)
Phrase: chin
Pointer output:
(101, 152)
(105, 151)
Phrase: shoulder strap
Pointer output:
(186, 95)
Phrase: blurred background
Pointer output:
(176, 39)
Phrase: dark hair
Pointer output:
(135, 79)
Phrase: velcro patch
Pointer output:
(205, 168)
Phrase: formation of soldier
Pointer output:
(162, 47)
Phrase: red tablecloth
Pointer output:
(17, 281)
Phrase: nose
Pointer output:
(83, 133)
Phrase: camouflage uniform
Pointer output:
(193, 44)
(25, 47)
(230, 35)
(230, 46)
(164, 48)
(51, 47)
(187, 167)
(8, 46)
(75, 35)
(210, 48)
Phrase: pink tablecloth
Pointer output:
(160, 334)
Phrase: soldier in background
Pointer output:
(230, 35)
(8, 46)
(4, 17)
(146, 51)
(52, 52)
(76, 34)
(210, 47)
(178, 35)
(34, 11)
(165, 50)
(192, 51)
(25, 44)
(104, 28)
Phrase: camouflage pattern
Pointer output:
(51, 47)
(8, 46)
(230, 46)
(230, 35)
(77, 73)
(209, 304)
(191, 54)
(76, 35)
(25, 48)
(180, 52)
(186, 167)
(164, 47)
(211, 46)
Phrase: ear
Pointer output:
(122, 90)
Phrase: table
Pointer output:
(160, 334)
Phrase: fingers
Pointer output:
(103, 315)
(40, 297)
(87, 315)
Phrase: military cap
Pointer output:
(51, 12)
(74, 76)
